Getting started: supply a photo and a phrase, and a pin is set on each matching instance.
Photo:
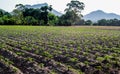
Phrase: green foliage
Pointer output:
(70, 18)
(22, 15)
(53, 20)
(46, 54)
(102, 22)
(88, 22)
(100, 59)
(44, 12)
(29, 16)
(73, 13)
(75, 6)
(109, 22)
(73, 60)
(41, 65)
(107, 57)
(30, 59)
(30, 20)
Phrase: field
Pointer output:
(59, 50)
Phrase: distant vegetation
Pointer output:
(73, 13)
(110, 22)
(22, 15)
(28, 16)
(103, 22)
(43, 16)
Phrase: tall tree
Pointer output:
(20, 7)
(18, 13)
(73, 12)
(75, 6)
(88, 22)
(1, 13)
(102, 22)
(44, 12)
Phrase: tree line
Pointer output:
(43, 16)
(28, 16)
(103, 22)
(22, 15)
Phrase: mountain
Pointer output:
(2, 10)
(99, 14)
(41, 5)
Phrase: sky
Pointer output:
(109, 6)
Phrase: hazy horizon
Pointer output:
(109, 6)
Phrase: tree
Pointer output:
(67, 19)
(114, 22)
(73, 13)
(108, 22)
(18, 16)
(1, 13)
(75, 6)
(52, 19)
(29, 20)
(88, 22)
(36, 13)
(44, 12)
(18, 13)
(6, 20)
(20, 7)
(102, 22)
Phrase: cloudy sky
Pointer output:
(110, 6)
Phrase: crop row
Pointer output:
(61, 50)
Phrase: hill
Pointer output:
(99, 14)
(2, 10)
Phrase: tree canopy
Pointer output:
(22, 15)
(73, 13)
